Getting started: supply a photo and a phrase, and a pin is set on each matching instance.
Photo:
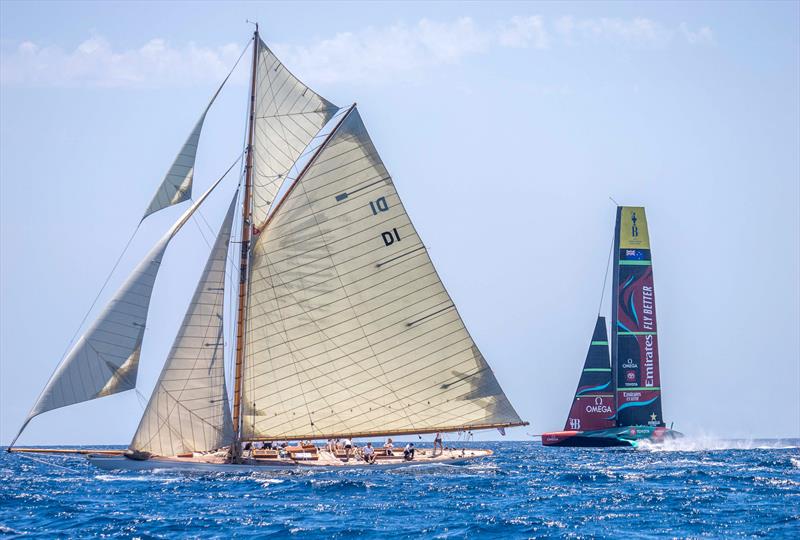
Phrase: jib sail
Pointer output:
(634, 346)
(593, 406)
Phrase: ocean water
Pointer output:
(690, 489)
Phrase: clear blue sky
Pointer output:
(505, 126)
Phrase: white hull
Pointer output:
(121, 463)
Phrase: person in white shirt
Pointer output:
(389, 447)
(408, 451)
(348, 447)
(369, 453)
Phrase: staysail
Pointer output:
(349, 328)
(634, 333)
(593, 405)
(105, 359)
(188, 410)
(288, 115)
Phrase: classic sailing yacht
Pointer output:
(343, 327)
(618, 401)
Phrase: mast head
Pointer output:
(255, 33)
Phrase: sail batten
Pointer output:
(188, 410)
(350, 330)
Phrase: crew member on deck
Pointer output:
(408, 452)
(348, 447)
(437, 441)
(369, 453)
(388, 447)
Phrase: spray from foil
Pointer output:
(710, 443)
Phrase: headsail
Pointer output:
(593, 406)
(177, 184)
(188, 410)
(350, 330)
(288, 115)
(105, 359)
(634, 336)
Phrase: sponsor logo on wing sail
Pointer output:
(598, 407)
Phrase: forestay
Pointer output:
(350, 330)
(188, 410)
(105, 359)
(288, 115)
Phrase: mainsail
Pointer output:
(349, 328)
(288, 115)
(593, 405)
(105, 360)
(188, 410)
(634, 335)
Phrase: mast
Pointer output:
(614, 317)
(245, 252)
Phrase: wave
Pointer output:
(165, 479)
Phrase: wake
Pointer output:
(706, 443)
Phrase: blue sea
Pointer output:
(693, 489)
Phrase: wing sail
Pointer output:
(634, 332)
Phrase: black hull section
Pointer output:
(591, 442)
